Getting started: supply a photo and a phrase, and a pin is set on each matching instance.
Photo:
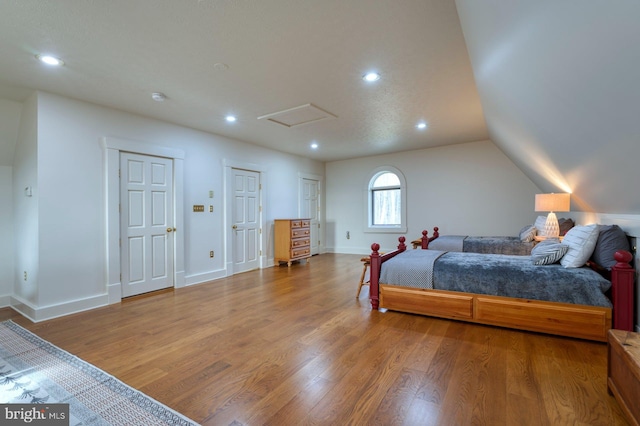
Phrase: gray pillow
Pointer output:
(610, 239)
(527, 234)
(548, 252)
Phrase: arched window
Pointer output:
(386, 201)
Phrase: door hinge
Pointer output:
(119, 208)
(260, 231)
(260, 186)
(260, 252)
(120, 277)
(119, 173)
(260, 209)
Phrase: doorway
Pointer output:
(245, 222)
(147, 223)
(310, 208)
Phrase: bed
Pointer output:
(522, 244)
(505, 299)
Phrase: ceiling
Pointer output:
(559, 86)
(252, 58)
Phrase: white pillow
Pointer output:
(527, 234)
(548, 252)
(581, 241)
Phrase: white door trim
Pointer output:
(112, 147)
(228, 166)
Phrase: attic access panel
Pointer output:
(297, 116)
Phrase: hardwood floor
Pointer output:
(292, 346)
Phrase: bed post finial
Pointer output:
(436, 234)
(401, 246)
(375, 247)
(425, 240)
(623, 258)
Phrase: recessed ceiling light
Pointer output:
(371, 77)
(314, 145)
(231, 118)
(422, 125)
(50, 60)
(158, 96)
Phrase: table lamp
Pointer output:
(552, 203)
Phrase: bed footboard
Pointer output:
(374, 271)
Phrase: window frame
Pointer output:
(368, 214)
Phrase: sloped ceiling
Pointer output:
(559, 83)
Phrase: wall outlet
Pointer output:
(348, 235)
(25, 275)
(211, 253)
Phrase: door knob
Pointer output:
(234, 227)
(169, 229)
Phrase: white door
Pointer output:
(311, 209)
(146, 223)
(245, 231)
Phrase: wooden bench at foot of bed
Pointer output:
(580, 321)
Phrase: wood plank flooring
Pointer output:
(293, 346)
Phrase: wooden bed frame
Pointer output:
(564, 319)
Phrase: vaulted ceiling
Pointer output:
(553, 84)
(559, 86)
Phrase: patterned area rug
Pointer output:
(33, 371)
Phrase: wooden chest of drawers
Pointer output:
(292, 240)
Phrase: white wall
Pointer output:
(9, 127)
(466, 189)
(25, 209)
(71, 180)
(6, 230)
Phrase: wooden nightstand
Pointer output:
(624, 371)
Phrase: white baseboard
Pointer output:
(37, 314)
(349, 250)
(203, 278)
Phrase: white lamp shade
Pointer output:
(553, 202)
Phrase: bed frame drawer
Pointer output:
(584, 322)
(546, 317)
(430, 302)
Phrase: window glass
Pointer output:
(386, 179)
(386, 201)
(386, 207)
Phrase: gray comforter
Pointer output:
(489, 245)
(499, 275)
